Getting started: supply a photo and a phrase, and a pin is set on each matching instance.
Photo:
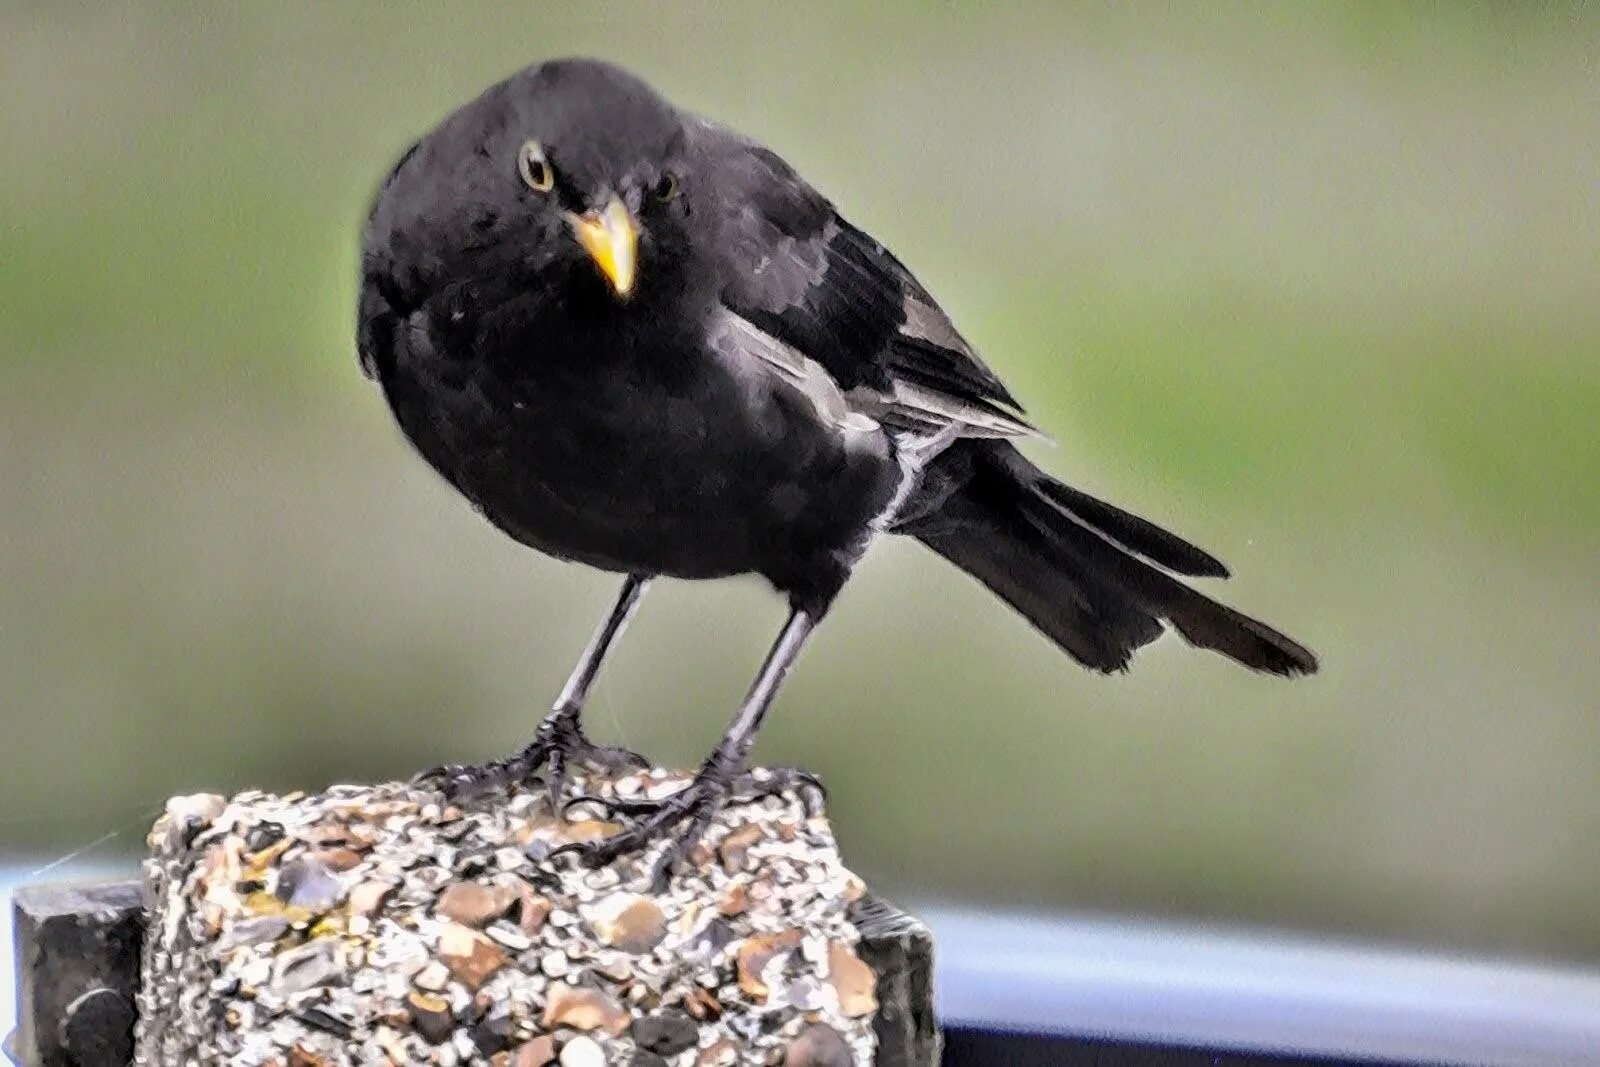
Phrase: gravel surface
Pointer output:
(385, 925)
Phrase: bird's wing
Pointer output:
(812, 294)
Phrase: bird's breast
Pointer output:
(635, 454)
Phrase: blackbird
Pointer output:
(634, 338)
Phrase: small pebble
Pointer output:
(853, 980)
(532, 912)
(430, 1016)
(471, 957)
(667, 1033)
(315, 963)
(629, 922)
(307, 883)
(434, 977)
(493, 1033)
(582, 1008)
(509, 936)
(536, 1053)
(473, 904)
(583, 1052)
(367, 897)
(196, 809)
(818, 1045)
(252, 931)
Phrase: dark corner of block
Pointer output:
(899, 949)
(77, 949)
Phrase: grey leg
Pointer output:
(576, 692)
(729, 756)
(559, 739)
(699, 801)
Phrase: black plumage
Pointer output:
(638, 340)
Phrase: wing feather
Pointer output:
(826, 298)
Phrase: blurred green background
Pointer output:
(1318, 285)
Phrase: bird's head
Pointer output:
(566, 174)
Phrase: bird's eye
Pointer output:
(666, 187)
(534, 168)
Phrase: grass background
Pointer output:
(1315, 284)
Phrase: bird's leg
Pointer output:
(718, 776)
(559, 739)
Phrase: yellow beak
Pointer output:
(611, 238)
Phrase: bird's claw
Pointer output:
(611, 806)
(696, 803)
(777, 781)
(556, 746)
(459, 781)
(745, 788)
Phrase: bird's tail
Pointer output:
(1095, 579)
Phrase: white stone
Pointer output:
(583, 1052)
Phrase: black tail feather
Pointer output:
(1067, 562)
(1093, 624)
(1135, 534)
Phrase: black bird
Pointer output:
(636, 339)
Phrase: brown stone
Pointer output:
(536, 828)
(536, 1053)
(300, 1056)
(755, 953)
(532, 911)
(430, 1016)
(734, 848)
(337, 859)
(471, 957)
(720, 1053)
(588, 830)
(736, 901)
(818, 1045)
(367, 898)
(852, 980)
(629, 922)
(702, 1004)
(581, 1008)
(473, 904)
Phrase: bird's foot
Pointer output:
(751, 785)
(557, 746)
(692, 807)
